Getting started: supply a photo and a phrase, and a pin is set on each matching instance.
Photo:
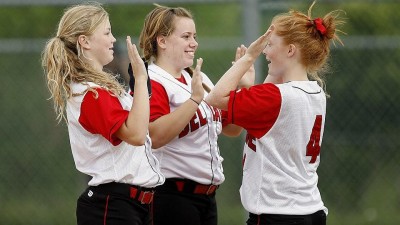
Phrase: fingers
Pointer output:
(240, 51)
(197, 69)
(237, 55)
(137, 63)
(197, 80)
(132, 50)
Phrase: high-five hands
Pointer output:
(250, 76)
(138, 67)
(197, 82)
(255, 48)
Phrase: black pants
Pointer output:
(318, 218)
(174, 207)
(111, 204)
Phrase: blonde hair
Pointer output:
(62, 57)
(312, 40)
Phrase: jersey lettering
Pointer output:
(216, 114)
(250, 141)
(313, 147)
(197, 121)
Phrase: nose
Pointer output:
(194, 43)
(265, 51)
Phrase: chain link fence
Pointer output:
(359, 170)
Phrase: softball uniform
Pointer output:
(191, 162)
(122, 176)
(285, 124)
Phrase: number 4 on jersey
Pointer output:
(313, 147)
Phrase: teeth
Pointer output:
(190, 53)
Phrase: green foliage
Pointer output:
(375, 19)
(41, 22)
(359, 179)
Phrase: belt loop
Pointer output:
(146, 197)
(133, 192)
(180, 185)
(210, 189)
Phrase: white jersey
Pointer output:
(194, 153)
(285, 125)
(104, 161)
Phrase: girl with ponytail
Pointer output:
(284, 118)
(108, 128)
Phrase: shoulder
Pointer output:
(305, 87)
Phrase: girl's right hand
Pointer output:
(255, 48)
(197, 82)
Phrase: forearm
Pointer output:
(135, 128)
(167, 127)
(219, 95)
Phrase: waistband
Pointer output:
(141, 194)
(317, 218)
(189, 186)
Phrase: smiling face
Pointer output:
(180, 46)
(100, 45)
(276, 53)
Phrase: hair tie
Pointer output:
(320, 27)
(60, 38)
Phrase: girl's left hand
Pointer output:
(250, 75)
(138, 67)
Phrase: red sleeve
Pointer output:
(103, 115)
(255, 109)
(159, 101)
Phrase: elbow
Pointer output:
(157, 141)
(218, 100)
(220, 103)
(211, 100)
(138, 143)
(155, 145)
(138, 140)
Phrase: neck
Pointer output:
(296, 73)
(169, 67)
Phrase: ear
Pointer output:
(161, 41)
(292, 49)
(83, 41)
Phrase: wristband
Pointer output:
(194, 101)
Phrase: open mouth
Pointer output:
(190, 53)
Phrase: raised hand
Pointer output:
(138, 67)
(197, 82)
(249, 77)
(255, 48)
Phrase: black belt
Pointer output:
(141, 194)
(189, 186)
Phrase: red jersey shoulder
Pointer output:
(256, 109)
(102, 114)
